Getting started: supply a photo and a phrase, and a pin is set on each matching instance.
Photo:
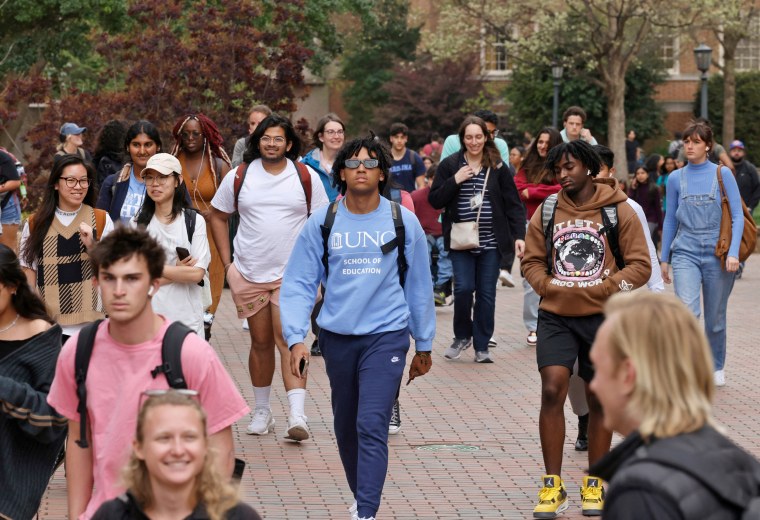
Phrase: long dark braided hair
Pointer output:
(212, 137)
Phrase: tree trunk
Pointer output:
(729, 91)
(615, 90)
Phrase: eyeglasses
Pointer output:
(150, 180)
(494, 134)
(71, 182)
(333, 132)
(147, 394)
(269, 140)
(368, 163)
(194, 133)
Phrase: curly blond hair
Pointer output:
(211, 490)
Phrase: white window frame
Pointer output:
(751, 46)
(508, 61)
(675, 62)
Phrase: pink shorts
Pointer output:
(251, 297)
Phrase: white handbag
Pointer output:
(466, 235)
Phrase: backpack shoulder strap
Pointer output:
(171, 355)
(100, 223)
(85, 345)
(398, 224)
(240, 173)
(610, 228)
(398, 242)
(305, 177)
(326, 228)
(190, 218)
(548, 208)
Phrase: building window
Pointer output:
(494, 55)
(669, 53)
(748, 50)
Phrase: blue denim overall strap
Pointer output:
(698, 213)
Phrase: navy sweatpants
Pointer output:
(365, 373)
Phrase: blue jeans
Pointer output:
(475, 275)
(696, 269)
(443, 273)
(11, 213)
(365, 373)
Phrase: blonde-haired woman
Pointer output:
(663, 406)
(171, 472)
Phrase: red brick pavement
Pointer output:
(491, 408)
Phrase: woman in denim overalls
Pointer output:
(690, 232)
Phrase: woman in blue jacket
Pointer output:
(122, 194)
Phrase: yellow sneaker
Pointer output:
(592, 496)
(552, 499)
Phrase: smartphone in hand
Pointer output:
(303, 367)
(182, 253)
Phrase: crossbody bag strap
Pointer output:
(483, 194)
(720, 183)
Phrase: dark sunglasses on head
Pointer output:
(368, 163)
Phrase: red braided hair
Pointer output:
(213, 139)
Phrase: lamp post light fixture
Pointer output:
(557, 71)
(703, 57)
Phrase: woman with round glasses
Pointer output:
(171, 472)
(327, 139)
(198, 145)
(56, 240)
(165, 214)
(122, 194)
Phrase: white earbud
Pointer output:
(150, 291)
(588, 172)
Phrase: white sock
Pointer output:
(296, 398)
(261, 394)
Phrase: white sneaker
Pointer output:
(245, 325)
(262, 422)
(505, 277)
(720, 378)
(298, 430)
(354, 510)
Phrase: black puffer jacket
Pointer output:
(642, 487)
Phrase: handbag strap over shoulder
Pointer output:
(483, 195)
(722, 187)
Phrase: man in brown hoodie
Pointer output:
(597, 248)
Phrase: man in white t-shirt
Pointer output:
(274, 198)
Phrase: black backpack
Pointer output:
(609, 227)
(398, 242)
(171, 365)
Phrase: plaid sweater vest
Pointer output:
(64, 273)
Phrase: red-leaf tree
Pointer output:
(214, 57)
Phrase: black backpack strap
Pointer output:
(326, 228)
(399, 241)
(610, 228)
(85, 345)
(190, 216)
(548, 208)
(171, 355)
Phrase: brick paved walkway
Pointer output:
(493, 409)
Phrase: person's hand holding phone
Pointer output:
(299, 360)
(184, 258)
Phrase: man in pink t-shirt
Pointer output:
(128, 266)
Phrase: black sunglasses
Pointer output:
(368, 163)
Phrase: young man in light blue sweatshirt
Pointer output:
(373, 301)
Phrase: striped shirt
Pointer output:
(467, 191)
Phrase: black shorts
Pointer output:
(563, 339)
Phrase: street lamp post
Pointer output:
(557, 72)
(703, 56)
